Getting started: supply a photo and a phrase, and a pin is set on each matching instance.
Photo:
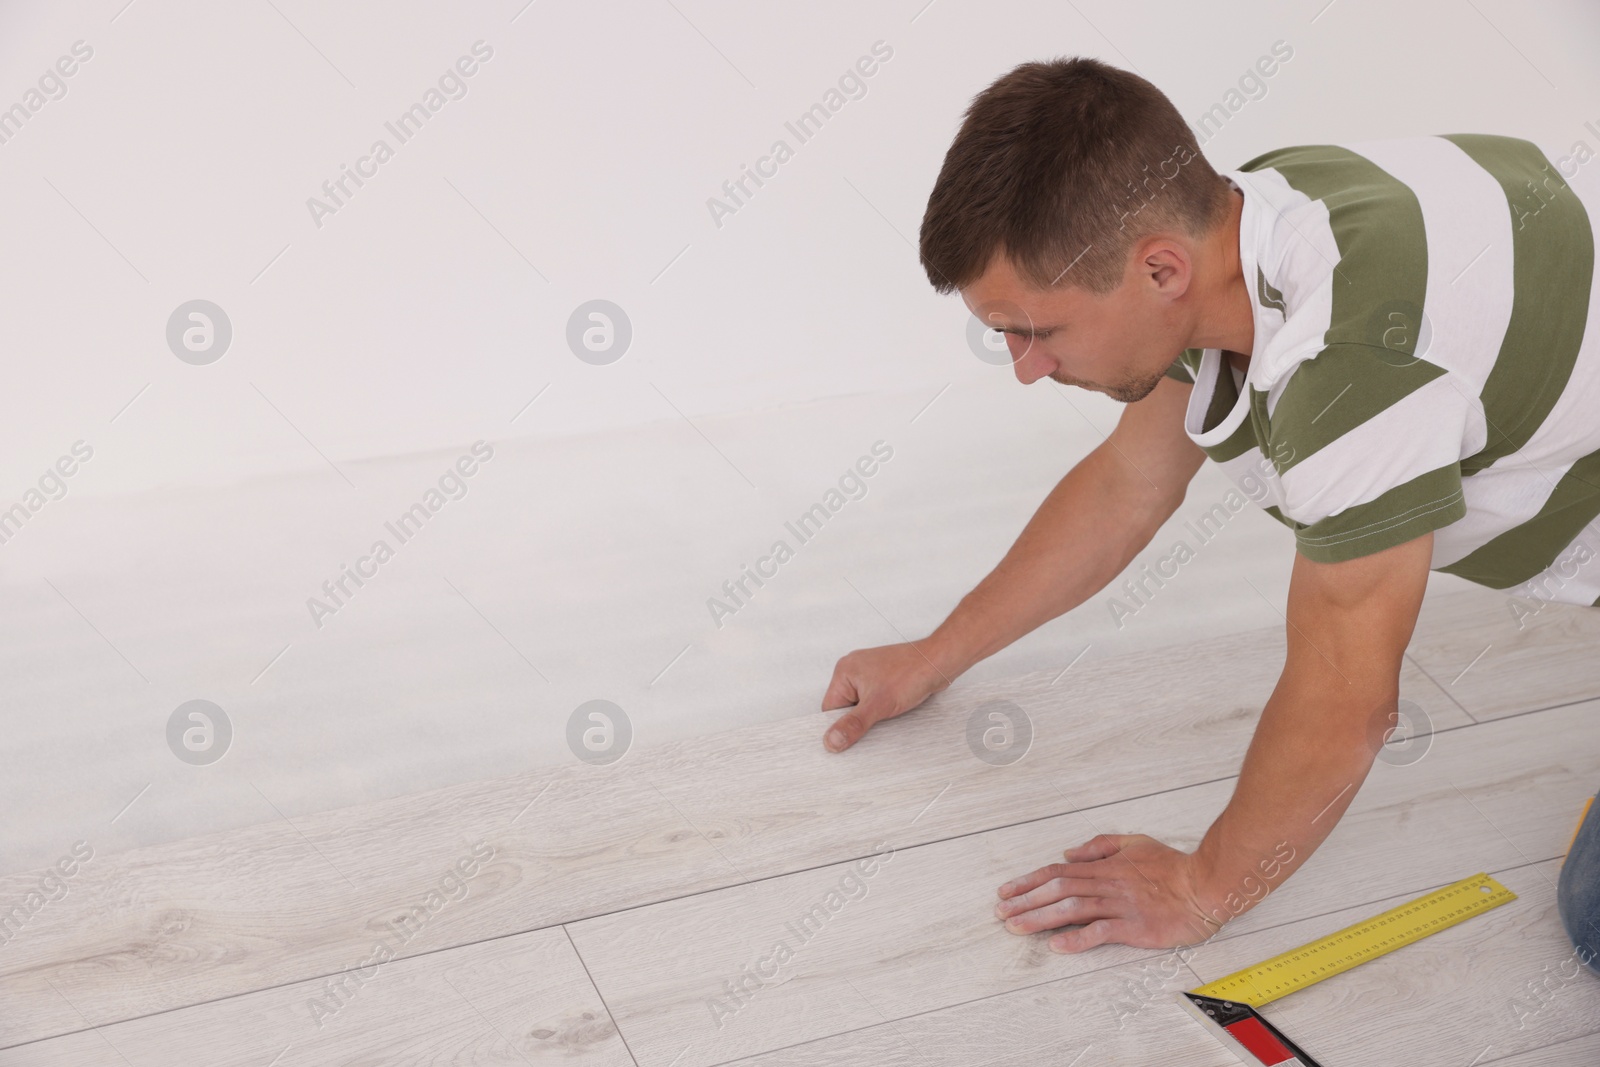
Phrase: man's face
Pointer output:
(1119, 344)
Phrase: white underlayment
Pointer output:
(593, 556)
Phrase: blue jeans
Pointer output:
(1578, 891)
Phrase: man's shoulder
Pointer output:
(1346, 241)
(1337, 157)
(1351, 233)
(1384, 184)
(1373, 192)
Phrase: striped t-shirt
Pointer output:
(1426, 356)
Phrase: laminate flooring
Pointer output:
(600, 915)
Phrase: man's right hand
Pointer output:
(881, 682)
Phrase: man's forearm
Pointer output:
(1348, 625)
(1312, 749)
(1081, 537)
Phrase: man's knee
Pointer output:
(1578, 891)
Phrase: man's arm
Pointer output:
(1348, 626)
(1087, 530)
(1096, 519)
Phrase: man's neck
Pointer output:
(1227, 321)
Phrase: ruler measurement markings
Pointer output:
(1354, 945)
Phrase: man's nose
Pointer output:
(1028, 361)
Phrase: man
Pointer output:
(1395, 337)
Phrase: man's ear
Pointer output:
(1168, 265)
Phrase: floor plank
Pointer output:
(1499, 655)
(158, 928)
(1450, 1000)
(154, 929)
(1579, 1051)
(1499, 983)
(516, 1000)
(1189, 710)
(1114, 1015)
(1107, 1018)
(1437, 1008)
(919, 930)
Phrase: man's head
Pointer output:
(1072, 212)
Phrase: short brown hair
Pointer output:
(1053, 165)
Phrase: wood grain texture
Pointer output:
(154, 929)
(1498, 655)
(1459, 994)
(158, 928)
(516, 1000)
(466, 1007)
(1160, 720)
(1579, 1052)
(1111, 1017)
(703, 980)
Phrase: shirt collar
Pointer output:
(1252, 226)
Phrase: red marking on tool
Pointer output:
(1260, 1043)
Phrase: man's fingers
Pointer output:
(1096, 848)
(841, 692)
(1030, 881)
(846, 731)
(1098, 932)
(1059, 882)
(1068, 909)
(881, 682)
(848, 728)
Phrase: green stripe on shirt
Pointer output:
(1529, 547)
(1377, 223)
(1405, 512)
(1553, 249)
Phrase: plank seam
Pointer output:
(1447, 694)
(596, 987)
(763, 878)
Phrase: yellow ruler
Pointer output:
(1354, 945)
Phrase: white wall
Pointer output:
(368, 352)
(592, 140)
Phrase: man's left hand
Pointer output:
(1124, 889)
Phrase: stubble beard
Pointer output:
(1129, 392)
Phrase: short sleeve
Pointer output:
(1367, 443)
